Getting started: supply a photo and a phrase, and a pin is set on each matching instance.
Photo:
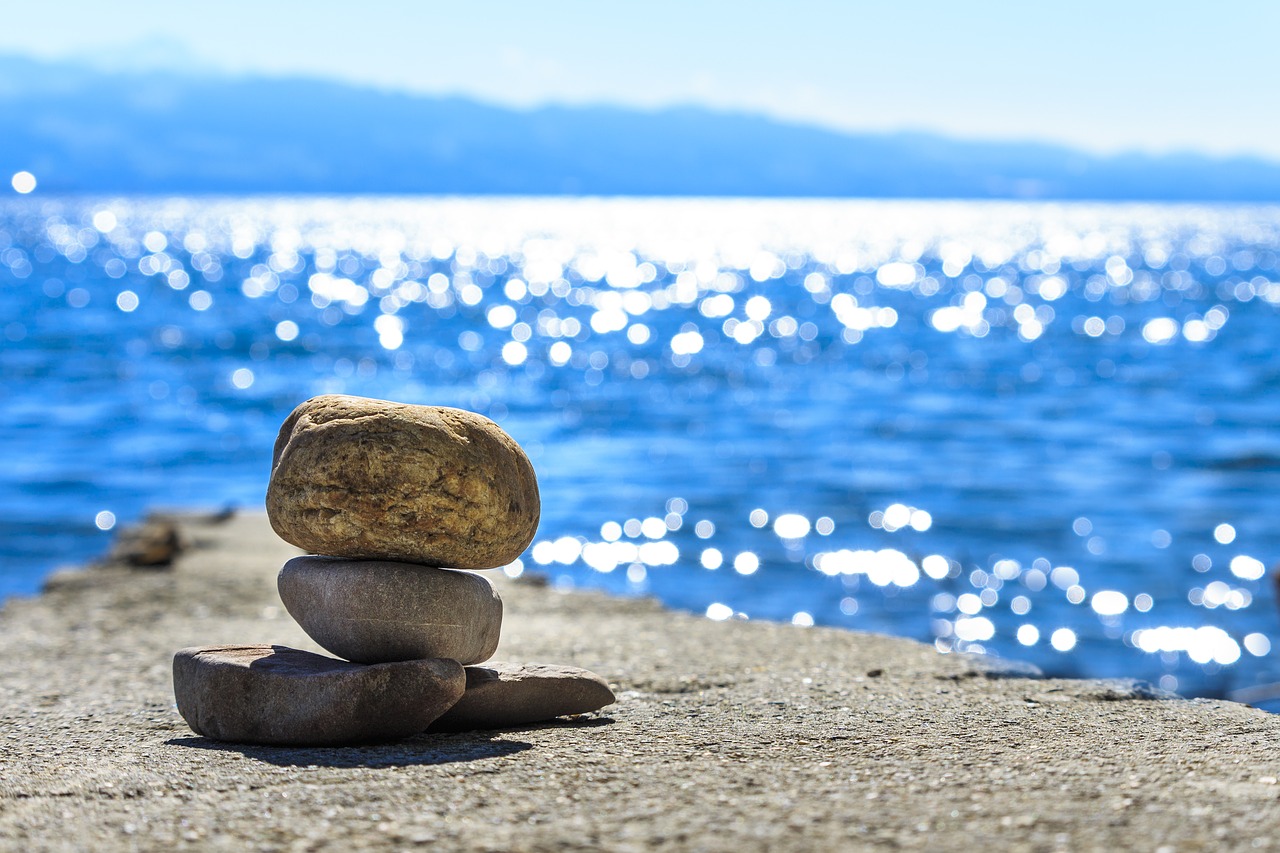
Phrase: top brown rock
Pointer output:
(371, 479)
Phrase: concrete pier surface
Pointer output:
(733, 735)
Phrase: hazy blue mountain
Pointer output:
(82, 130)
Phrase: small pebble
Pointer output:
(503, 695)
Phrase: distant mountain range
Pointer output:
(86, 131)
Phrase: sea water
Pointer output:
(1042, 431)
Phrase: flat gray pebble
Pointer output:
(505, 695)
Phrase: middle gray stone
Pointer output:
(374, 611)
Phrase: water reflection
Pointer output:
(1036, 430)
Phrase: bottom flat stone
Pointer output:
(501, 695)
(281, 696)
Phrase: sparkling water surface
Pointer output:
(1041, 431)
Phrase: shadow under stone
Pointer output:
(418, 750)
(555, 723)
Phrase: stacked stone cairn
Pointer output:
(402, 502)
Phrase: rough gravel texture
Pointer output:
(376, 480)
(736, 736)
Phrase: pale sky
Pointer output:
(1107, 76)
